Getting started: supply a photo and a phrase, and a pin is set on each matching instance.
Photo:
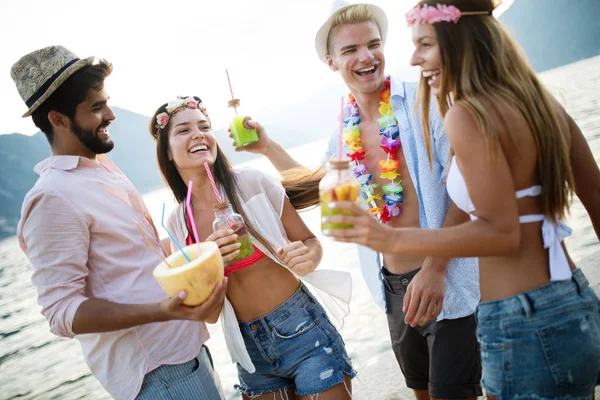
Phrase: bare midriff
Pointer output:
(503, 277)
(259, 289)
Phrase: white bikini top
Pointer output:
(553, 234)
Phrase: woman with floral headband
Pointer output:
(279, 335)
(517, 158)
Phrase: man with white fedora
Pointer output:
(430, 302)
(80, 228)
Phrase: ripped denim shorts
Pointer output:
(542, 344)
(295, 346)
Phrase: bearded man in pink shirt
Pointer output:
(91, 266)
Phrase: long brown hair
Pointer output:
(221, 169)
(302, 186)
(481, 62)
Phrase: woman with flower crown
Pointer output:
(281, 338)
(517, 158)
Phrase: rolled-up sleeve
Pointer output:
(55, 238)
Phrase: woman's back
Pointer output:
(504, 276)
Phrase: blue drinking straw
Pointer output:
(162, 222)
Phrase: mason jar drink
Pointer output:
(226, 218)
(339, 184)
(242, 136)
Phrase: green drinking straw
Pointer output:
(162, 222)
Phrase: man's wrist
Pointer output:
(439, 264)
(159, 314)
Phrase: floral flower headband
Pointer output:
(441, 13)
(174, 106)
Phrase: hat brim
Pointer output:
(323, 32)
(76, 66)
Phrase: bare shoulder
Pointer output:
(458, 115)
(461, 126)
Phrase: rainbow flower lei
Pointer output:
(388, 166)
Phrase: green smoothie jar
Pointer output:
(242, 136)
(339, 184)
(226, 218)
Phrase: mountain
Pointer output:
(18, 155)
(315, 118)
(554, 33)
(134, 154)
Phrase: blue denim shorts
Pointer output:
(542, 344)
(295, 346)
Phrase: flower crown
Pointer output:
(174, 106)
(440, 13)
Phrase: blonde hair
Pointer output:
(354, 14)
(480, 63)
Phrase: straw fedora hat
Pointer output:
(39, 73)
(337, 7)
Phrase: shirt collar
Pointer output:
(65, 163)
(397, 87)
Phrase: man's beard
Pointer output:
(90, 138)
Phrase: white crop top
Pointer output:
(553, 234)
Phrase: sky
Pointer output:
(162, 49)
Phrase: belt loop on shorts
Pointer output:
(527, 304)
(580, 281)
(386, 283)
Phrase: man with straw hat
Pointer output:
(430, 302)
(80, 228)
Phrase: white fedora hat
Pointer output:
(39, 73)
(337, 7)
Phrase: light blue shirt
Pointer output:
(462, 277)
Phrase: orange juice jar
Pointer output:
(339, 184)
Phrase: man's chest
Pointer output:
(371, 141)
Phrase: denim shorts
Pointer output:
(192, 380)
(295, 346)
(542, 344)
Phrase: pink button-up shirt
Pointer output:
(79, 229)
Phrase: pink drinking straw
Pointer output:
(212, 182)
(340, 138)
(188, 203)
(214, 186)
(230, 89)
(341, 128)
(162, 222)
